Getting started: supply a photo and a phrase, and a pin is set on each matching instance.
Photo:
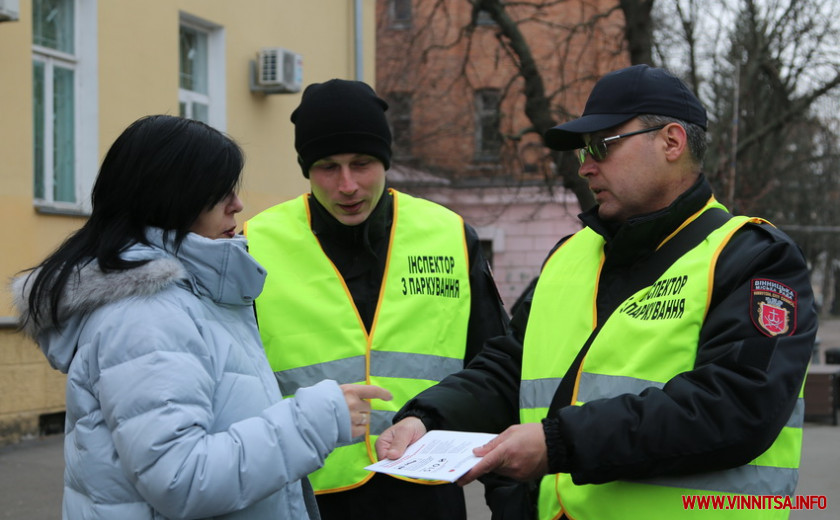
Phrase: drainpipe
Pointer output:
(358, 47)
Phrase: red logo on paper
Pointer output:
(772, 307)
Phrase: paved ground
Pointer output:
(31, 478)
(31, 472)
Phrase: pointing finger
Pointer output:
(372, 392)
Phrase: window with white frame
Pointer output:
(488, 138)
(64, 58)
(201, 84)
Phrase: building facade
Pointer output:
(458, 107)
(75, 73)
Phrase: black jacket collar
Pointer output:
(376, 228)
(640, 235)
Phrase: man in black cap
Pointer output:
(660, 358)
(368, 285)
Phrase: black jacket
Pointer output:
(721, 414)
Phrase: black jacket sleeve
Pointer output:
(484, 397)
(725, 411)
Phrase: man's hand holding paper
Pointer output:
(518, 452)
(437, 455)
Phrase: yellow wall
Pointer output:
(138, 75)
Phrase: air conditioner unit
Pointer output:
(279, 70)
(9, 10)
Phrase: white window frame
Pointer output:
(85, 65)
(216, 98)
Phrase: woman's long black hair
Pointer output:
(162, 171)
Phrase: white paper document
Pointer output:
(438, 455)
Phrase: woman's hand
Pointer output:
(356, 397)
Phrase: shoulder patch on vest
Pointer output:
(772, 307)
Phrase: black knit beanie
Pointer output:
(340, 116)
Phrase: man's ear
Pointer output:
(676, 141)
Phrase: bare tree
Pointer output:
(760, 72)
(638, 29)
(769, 73)
(767, 70)
(758, 66)
(541, 56)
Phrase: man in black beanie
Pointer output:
(367, 285)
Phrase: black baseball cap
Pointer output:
(621, 95)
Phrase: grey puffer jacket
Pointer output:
(172, 409)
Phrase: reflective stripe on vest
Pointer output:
(539, 393)
(673, 308)
(312, 330)
(382, 364)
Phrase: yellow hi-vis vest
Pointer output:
(312, 330)
(662, 323)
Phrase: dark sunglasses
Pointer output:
(598, 149)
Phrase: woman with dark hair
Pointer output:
(172, 409)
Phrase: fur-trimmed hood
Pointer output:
(91, 288)
(221, 270)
